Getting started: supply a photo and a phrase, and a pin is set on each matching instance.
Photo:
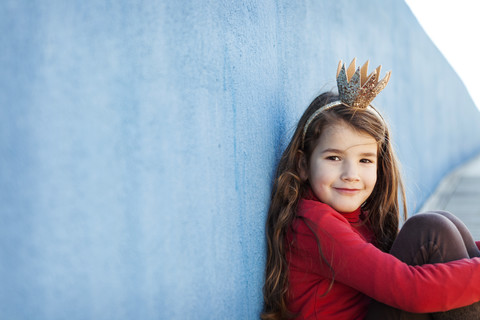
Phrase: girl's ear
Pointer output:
(302, 166)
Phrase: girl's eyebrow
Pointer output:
(332, 150)
(364, 154)
(368, 154)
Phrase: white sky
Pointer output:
(454, 27)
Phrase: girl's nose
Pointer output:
(350, 172)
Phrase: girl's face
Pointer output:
(343, 167)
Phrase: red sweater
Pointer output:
(363, 271)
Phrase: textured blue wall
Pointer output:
(138, 142)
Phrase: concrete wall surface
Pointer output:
(138, 142)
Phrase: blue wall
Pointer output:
(138, 142)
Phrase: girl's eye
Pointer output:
(333, 158)
(366, 161)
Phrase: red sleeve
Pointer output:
(362, 266)
(478, 244)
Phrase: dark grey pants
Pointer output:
(431, 237)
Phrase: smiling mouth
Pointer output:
(347, 190)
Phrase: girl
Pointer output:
(333, 251)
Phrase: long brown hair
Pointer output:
(382, 206)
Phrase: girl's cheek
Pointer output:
(373, 175)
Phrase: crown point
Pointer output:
(363, 73)
(351, 69)
(383, 83)
(387, 76)
(379, 68)
(339, 67)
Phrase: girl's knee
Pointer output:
(431, 220)
(438, 234)
(444, 213)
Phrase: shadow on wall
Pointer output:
(138, 143)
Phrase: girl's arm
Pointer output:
(478, 244)
(362, 266)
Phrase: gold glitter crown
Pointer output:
(355, 88)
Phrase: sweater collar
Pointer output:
(352, 217)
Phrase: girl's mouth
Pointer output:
(347, 190)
